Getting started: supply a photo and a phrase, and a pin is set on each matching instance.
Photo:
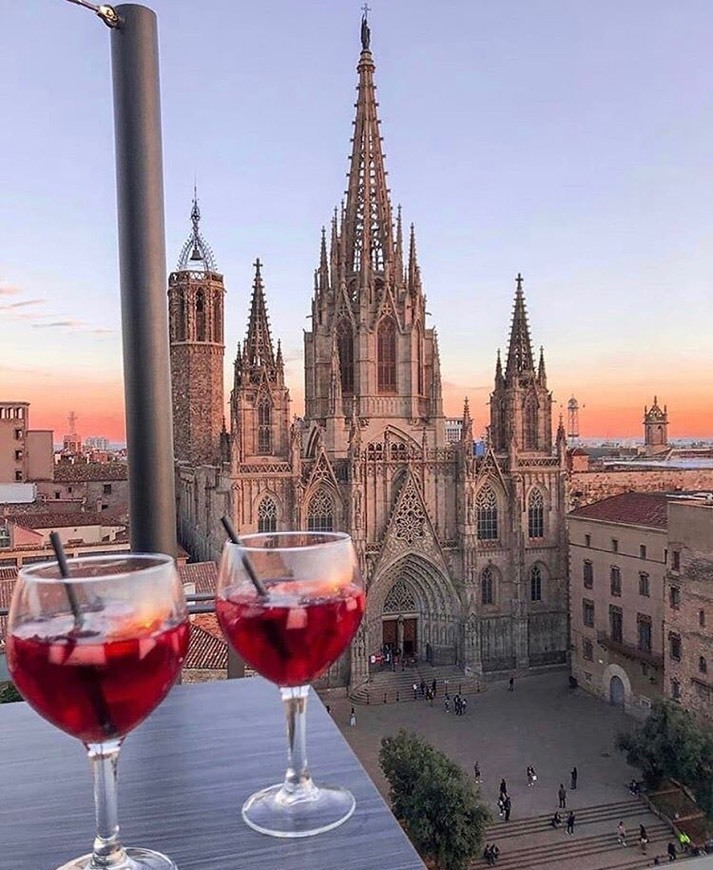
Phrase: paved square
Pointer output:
(541, 723)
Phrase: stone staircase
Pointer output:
(388, 687)
(531, 842)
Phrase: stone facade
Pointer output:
(617, 559)
(688, 611)
(465, 558)
(585, 487)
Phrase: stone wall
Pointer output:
(586, 487)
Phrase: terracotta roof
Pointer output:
(205, 651)
(50, 520)
(6, 587)
(203, 574)
(628, 508)
(66, 472)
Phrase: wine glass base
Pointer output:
(275, 812)
(136, 859)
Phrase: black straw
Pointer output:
(64, 573)
(247, 564)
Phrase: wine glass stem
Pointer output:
(298, 781)
(108, 851)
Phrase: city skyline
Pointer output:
(571, 154)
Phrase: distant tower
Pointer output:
(655, 429)
(72, 443)
(195, 305)
(572, 420)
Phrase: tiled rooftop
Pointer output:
(629, 508)
(65, 472)
(52, 520)
(206, 651)
(203, 574)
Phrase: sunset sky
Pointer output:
(572, 142)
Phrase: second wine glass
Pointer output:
(290, 632)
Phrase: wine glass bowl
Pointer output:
(94, 653)
(290, 625)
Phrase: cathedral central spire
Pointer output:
(368, 224)
(519, 357)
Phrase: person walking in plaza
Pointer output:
(463, 705)
(503, 788)
(643, 839)
(556, 820)
(511, 684)
(423, 688)
(508, 808)
(352, 717)
(570, 822)
(476, 771)
(621, 834)
(573, 774)
(671, 851)
(446, 704)
(562, 795)
(433, 687)
(415, 691)
(531, 775)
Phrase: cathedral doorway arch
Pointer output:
(412, 606)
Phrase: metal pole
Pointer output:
(142, 262)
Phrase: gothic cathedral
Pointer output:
(465, 557)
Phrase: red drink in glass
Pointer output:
(287, 638)
(96, 684)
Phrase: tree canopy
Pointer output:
(8, 694)
(434, 800)
(673, 743)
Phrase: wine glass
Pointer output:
(290, 603)
(94, 653)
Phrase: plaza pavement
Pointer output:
(541, 723)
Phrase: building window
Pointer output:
(675, 560)
(588, 574)
(487, 587)
(536, 515)
(345, 349)
(57, 493)
(529, 424)
(615, 545)
(587, 540)
(18, 434)
(320, 513)
(486, 505)
(674, 646)
(615, 581)
(267, 516)
(386, 352)
(702, 665)
(674, 597)
(702, 618)
(587, 650)
(616, 624)
(535, 583)
(643, 630)
(200, 317)
(18, 456)
(675, 690)
(18, 475)
(264, 427)
(588, 612)
(642, 551)
(644, 584)
(218, 321)
(106, 489)
(4, 540)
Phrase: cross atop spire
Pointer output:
(196, 254)
(519, 359)
(367, 218)
(257, 350)
(365, 32)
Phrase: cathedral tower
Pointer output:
(195, 305)
(369, 353)
(655, 429)
(520, 404)
(260, 401)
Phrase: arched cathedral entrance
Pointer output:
(412, 606)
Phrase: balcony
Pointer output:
(629, 650)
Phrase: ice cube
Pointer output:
(352, 603)
(296, 618)
(87, 654)
(146, 644)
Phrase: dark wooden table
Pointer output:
(183, 776)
